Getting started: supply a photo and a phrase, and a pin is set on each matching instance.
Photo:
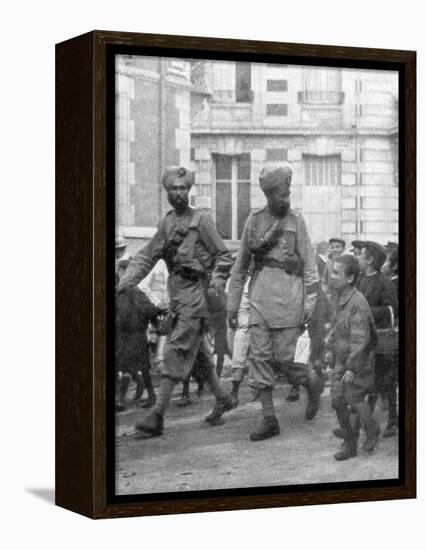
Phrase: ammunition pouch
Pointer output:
(188, 273)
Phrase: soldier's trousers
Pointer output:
(187, 341)
(272, 351)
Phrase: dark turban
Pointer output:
(173, 173)
(271, 177)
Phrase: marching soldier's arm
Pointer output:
(310, 274)
(360, 334)
(239, 272)
(144, 260)
(216, 247)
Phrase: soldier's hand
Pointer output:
(233, 319)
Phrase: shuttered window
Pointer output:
(322, 170)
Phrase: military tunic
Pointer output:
(278, 296)
(353, 340)
(196, 258)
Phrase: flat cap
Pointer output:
(357, 244)
(271, 177)
(377, 251)
(391, 245)
(173, 173)
(337, 240)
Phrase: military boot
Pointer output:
(151, 426)
(315, 388)
(220, 407)
(348, 450)
(268, 428)
(373, 434)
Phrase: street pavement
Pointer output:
(192, 456)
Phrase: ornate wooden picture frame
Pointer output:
(86, 168)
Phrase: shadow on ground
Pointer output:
(46, 494)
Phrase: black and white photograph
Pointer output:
(256, 274)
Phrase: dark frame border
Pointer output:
(83, 190)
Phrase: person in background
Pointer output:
(390, 380)
(390, 268)
(134, 310)
(382, 297)
(336, 248)
(241, 340)
(120, 250)
(352, 340)
(356, 248)
(321, 258)
(391, 245)
(155, 287)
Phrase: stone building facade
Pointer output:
(336, 128)
(153, 99)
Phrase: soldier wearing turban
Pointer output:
(282, 295)
(198, 263)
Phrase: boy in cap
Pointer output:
(337, 247)
(198, 264)
(352, 340)
(374, 284)
(381, 295)
(282, 295)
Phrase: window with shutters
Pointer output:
(243, 93)
(322, 86)
(322, 170)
